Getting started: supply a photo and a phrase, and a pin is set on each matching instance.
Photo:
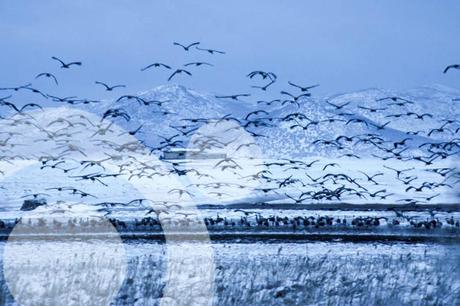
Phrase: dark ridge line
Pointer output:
(341, 206)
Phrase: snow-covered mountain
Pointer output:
(283, 139)
(180, 103)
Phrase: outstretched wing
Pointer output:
(172, 75)
(56, 59)
(286, 93)
(54, 78)
(193, 44)
(74, 63)
(29, 105)
(103, 84)
(147, 67)
(295, 85)
(450, 67)
(9, 104)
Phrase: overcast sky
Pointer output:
(343, 45)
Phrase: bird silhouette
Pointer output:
(109, 88)
(66, 65)
(337, 107)
(21, 109)
(156, 65)
(233, 97)
(295, 98)
(48, 75)
(179, 71)
(455, 66)
(263, 74)
(211, 51)
(264, 88)
(197, 64)
(186, 48)
(303, 88)
(372, 109)
(395, 99)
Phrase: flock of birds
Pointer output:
(256, 220)
(286, 179)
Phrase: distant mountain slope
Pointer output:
(284, 140)
(181, 102)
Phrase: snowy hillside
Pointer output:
(344, 151)
(317, 120)
(169, 105)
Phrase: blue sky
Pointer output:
(343, 45)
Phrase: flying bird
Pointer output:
(337, 107)
(295, 97)
(372, 109)
(156, 65)
(179, 71)
(116, 112)
(233, 97)
(456, 66)
(48, 75)
(133, 132)
(395, 99)
(302, 88)
(109, 88)
(66, 65)
(20, 110)
(197, 64)
(263, 74)
(186, 48)
(264, 88)
(211, 51)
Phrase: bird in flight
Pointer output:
(395, 99)
(338, 106)
(295, 97)
(66, 65)
(457, 66)
(20, 110)
(179, 71)
(302, 88)
(156, 65)
(48, 75)
(116, 112)
(186, 48)
(109, 88)
(197, 64)
(211, 51)
(371, 109)
(263, 74)
(264, 88)
(233, 97)
(133, 132)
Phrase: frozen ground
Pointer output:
(286, 273)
